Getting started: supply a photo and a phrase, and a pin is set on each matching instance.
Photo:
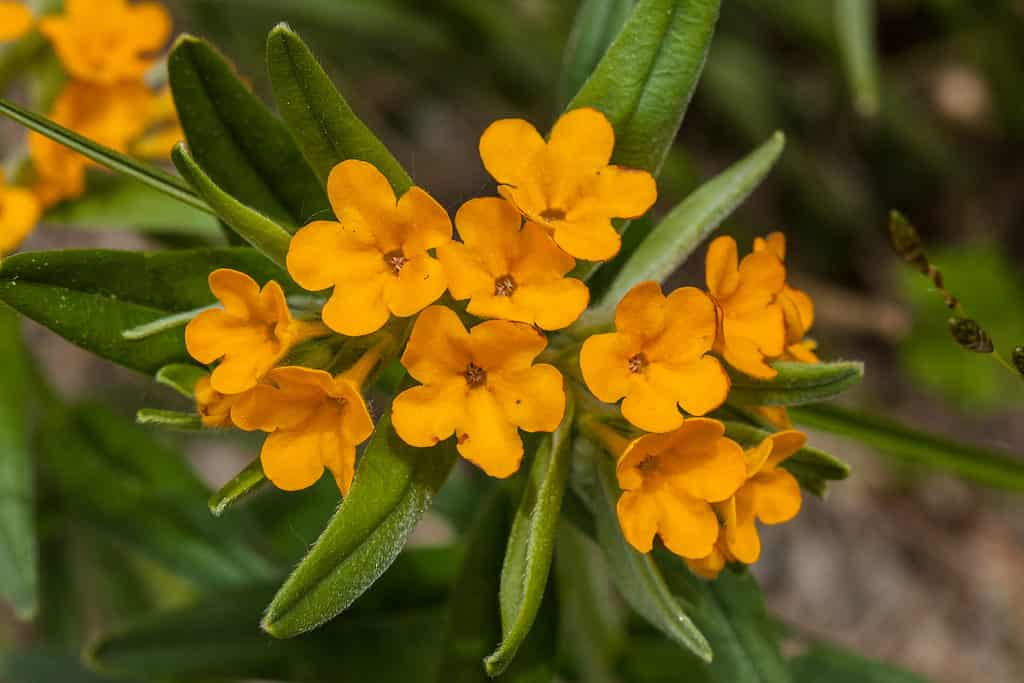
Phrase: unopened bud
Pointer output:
(1018, 359)
(907, 243)
(970, 335)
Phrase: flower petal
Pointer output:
(642, 310)
(764, 327)
(708, 567)
(420, 283)
(507, 147)
(785, 444)
(721, 269)
(691, 323)
(703, 464)
(582, 141)
(489, 305)
(700, 386)
(15, 20)
(592, 240)
(466, 273)
(762, 277)
(427, 223)
(743, 354)
(148, 24)
(553, 305)
(439, 347)
(426, 415)
(325, 253)
(638, 518)
(532, 399)
(651, 408)
(619, 192)
(776, 496)
(237, 292)
(358, 307)
(503, 346)
(241, 370)
(19, 213)
(291, 459)
(357, 186)
(741, 535)
(489, 227)
(604, 361)
(688, 526)
(356, 421)
(487, 438)
(540, 259)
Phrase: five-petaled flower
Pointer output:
(480, 385)
(510, 272)
(797, 307)
(107, 41)
(19, 211)
(251, 333)
(669, 482)
(376, 254)
(656, 358)
(15, 20)
(750, 321)
(566, 184)
(314, 421)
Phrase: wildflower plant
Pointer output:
(363, 332)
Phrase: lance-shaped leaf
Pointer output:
(242, 484)
(391, 490)
(104, 156)
(255, 228)
(855, 31)
(824, 662)
(182, 377)
(171, 419)
(636, 575)
(245, 149)
(891, 439)
(326, 128)
(645, 80)
(796, 383)
(19, 551)
(682, 231)
(811, 467)
(524, 574)
(90, 296)
(596, 24)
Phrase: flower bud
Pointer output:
(970, 335)
(907, 242)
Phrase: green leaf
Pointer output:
(855, 31)
(126, 204)
(246, 150)
(391, 491)
(796, 383)
(679, 234)
(638, 578)
(524, 574)
(245, 482)
(645, 80)
(45, 665)
(19, 576)
(255, 228)
(596, 24)
(104, 156)
(182, 377)
(171, 419)
(823, 662)
(120, 482)
(889, 438)
(730, 612)
(89, 296)
(326, 128)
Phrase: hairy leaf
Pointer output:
(596, 24)
(242, 484)
(796, 383)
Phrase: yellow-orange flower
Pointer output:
(656, 358)
(480, 385)
(375, 255)
(251, 333)
(107, 41)
(15, 20)
(669, 482)
(769, 494)
(566, 184)
(510, 273)
(214, 408)
(797, 307)
(19, 213)
(750, 321)
(314, 421)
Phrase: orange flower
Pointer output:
(107, 41)
(770, 494)
(15, 20)
(566, 184)
(480, 385)
(251, 333)
(510, 273)
(19, 213)
(656, 358)
(751, 324)
(375, 256)
(797, 307)
(669, 482)
(214, 408)
(711, 566)
(314, 421)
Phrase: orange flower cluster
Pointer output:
(106, 47)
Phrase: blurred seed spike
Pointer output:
(907, 242)
(970, 335)
(1018, 359)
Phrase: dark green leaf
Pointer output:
(985, 466)
(246, 150)
(637, 576)
(115, 161)
(855, 30)
(19, 547)
(531, 541)
(258, 230)
(326, 128)
(796, 383)
(646, 79)
(90, 296)
(679, 234)
(596, 25)
(824, 662)
(245, 482)
(182, 377)
(392, 489)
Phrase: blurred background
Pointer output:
(908, 566)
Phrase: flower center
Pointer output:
(637, 363)
(395, 260)
(553, 215)
(504, 286)
(648, 464)
(475, 376)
